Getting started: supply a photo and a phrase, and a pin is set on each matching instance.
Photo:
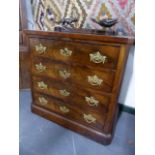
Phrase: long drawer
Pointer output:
(75, 96)
(93, 120)
(86, 77)
(85, 53)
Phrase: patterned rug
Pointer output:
(45, 11)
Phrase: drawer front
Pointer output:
(71, 94)
(90, 78)
(87, 118)
(98, 56)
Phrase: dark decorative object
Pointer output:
(106, 23)
(63, 24)
(68, 22)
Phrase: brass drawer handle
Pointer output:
(94, 80)
(89, 118)
(65, 52)
(40, 49)
(42, 101)
(64, 109)
(91, 101)
(40, 67)
(42, 85)
(97, 57)
(64, 92)
(64, 74)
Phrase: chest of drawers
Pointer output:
(76, 80)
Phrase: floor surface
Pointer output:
(39, 136)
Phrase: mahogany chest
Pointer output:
(76, 78)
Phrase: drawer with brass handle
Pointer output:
(91, 101)
(89, 118)
(93, 119)
(42, 85)
(42, 100)
(65, 52)
(40, 49)
(94, 80)
(64, 73)
(75, 96)
(64, 92)
(48, 86)
(96, 55)
(64, 109)
(40, 67)
(85, 77)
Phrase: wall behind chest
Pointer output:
(84, 10)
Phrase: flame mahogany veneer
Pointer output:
(76, 79)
